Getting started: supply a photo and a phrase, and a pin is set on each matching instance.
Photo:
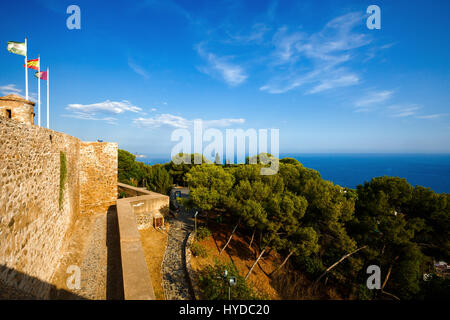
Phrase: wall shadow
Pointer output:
(40, 290)
(114, 278)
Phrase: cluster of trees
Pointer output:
(158, 177)
(324, 230)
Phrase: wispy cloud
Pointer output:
(342, 81)
(101, 110)
(373, 98)
(412, 110)
(180, 122)
(233, 74)
(255, 36)
(137, 68)
(320, 54)
(402, 111)
(388, 45)
(433, 116)
(10, 89)
(161, 120)
(83, 116)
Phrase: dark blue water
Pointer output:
(349, 170)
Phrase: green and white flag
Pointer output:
(17, 47)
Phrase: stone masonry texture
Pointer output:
(34, 229)
(21, 109)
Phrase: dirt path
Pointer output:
(175, 281)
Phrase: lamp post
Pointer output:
(231, 282)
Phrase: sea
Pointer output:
(350, 170)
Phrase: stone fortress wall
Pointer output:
(15, 107)
(35, 225)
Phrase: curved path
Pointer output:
(175, 281)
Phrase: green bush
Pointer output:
(198, 250)
(203, 233)
(122, 194)
(364, 293)
(215, 287)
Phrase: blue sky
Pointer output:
(138, 70)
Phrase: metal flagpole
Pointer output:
(48, 97)
(39, 91)
(26, 70)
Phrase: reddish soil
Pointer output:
(239, 253)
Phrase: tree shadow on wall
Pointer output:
(21, 286)
(114, 279)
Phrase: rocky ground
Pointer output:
(98, 260)
(175, 281)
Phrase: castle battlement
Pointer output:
(17, 108)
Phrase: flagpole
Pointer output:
(26, 70)
(48, 97)
(39, 91)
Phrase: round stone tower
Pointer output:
(17, 108)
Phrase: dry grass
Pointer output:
(154, 245)
(241, 256)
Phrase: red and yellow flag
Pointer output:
(33, 64)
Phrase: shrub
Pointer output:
(198, 250)
(215, 287)
(363, 293)
(122, 194)
(203, 233)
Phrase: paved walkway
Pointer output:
(95, 248)
(175, 282)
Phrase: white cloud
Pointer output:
(101, 110)
(285, 45)
(10, 89)
(180, 122)
(315, 56)
(405, 113)
(110, 107)
(138, 69)
(256, 35)
(387, 46)
(374, 98)
(161, 120)
(343, 81)
(400, 111)
(33, 96)
(233, 74)
(433, 116)
(222, 122)
(84, 116)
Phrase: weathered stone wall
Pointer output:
(21, 109)
(34, 228)
(98, 176)
(128, 191)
